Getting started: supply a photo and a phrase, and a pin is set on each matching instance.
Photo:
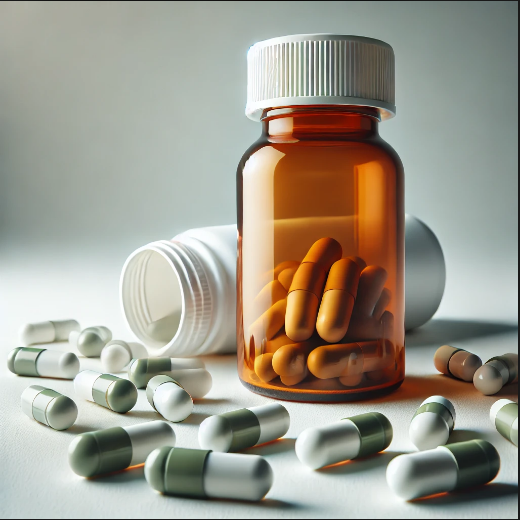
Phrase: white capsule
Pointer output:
(432, 423)
(90, 341)
(47, 332)
(244, 428)
(112, 392)
(140, 371)
(348, 439)
(504, 415)
(169, 398)
(444, 469)
(496, 373)
(39, 362)
(117, 354)
(197, 381)
(114, 449)
(206, 474)
(49, 407)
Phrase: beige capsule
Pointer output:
(307, 287)
(264, 368)
(456, 362)
(338, 300)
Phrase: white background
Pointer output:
(122, 123)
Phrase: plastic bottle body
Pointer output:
(320, 173)
(178, 295)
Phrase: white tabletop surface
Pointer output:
(36, 481)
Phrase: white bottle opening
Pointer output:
(166, 298)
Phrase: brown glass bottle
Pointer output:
(322, 176)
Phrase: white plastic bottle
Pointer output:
(179, 296)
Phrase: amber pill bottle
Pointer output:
(320, 195)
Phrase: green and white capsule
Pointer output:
(245, 428)
(206, 474)
(117, 354)
(433, 423)
(49, 407)
(140, 371)
(444, 469)
(496, 373)
(169, 398)
(348, 439)
(115, 449)
(504, 415)
(40, 362)
(112, 392)
(90, 341)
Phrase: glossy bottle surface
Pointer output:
(320, 186)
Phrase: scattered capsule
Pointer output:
(496, 373)
(206, 474)
(456, 362)
(169, 398)
(307, 288)
(117, 354)
(245, 428)
(39, 362)
(348, 439)
(196, 381)
(140, 371)
(115, 449)
(47, 332)
(90, 341)
(49, 407)
(504, 415)
(432, 423)
(112, 392)
(444, 469)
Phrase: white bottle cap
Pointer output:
(320, 69)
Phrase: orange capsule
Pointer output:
(291, 360)
(269, 323)
(306, 288)
(289, 264)
(294, 380)
(382, 304)
(286, 277)
(272, 345)
(271, 293)
(350, 359)
(329, 361)
(264, 368)
(324, 252)
(338, 300)
(351, 381)
(371, 284)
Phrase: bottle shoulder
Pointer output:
(269, 155)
